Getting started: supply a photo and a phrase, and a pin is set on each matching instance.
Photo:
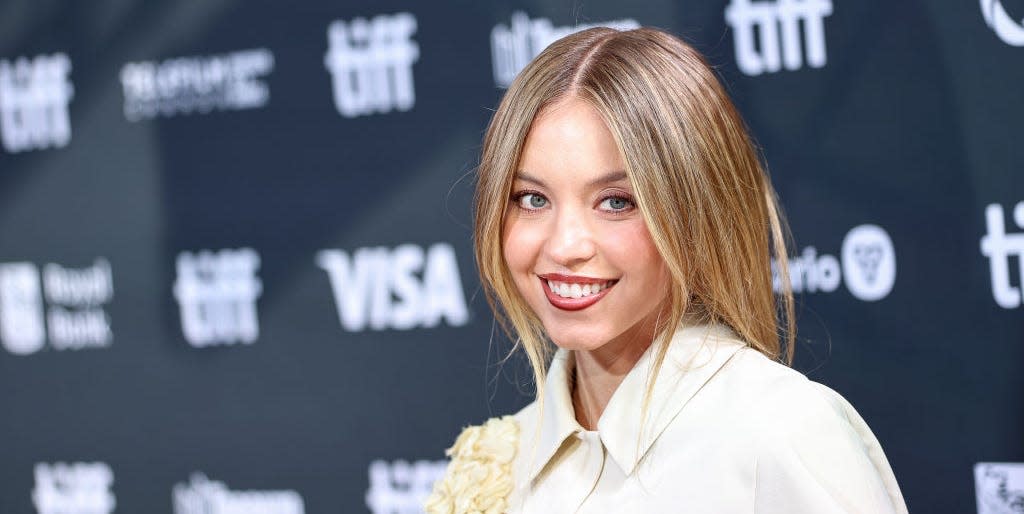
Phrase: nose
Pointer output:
(571, 242)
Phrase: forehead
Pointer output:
(569, 143)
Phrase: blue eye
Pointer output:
(616, 203)
(532, 201)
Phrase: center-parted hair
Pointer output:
(697, 176)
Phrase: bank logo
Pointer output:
(201, 495)
(402, 487)
(76, 488)
(513, 46)
(767, 34)
(997, 19)
(868, 266)
(22, 329)
(185, 85)
(370, 62)
(399, 288)
(217, 293)
(60, 305)
(999, 247)
(999, 487)
(34, 98)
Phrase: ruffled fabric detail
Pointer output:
(479, 477)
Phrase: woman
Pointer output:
(622, 214)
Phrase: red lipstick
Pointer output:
(573, 304)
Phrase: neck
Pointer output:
(598, 373)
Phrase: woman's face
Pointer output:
(574, 239)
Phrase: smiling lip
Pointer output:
(574, 304)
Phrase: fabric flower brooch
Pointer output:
(479, 477)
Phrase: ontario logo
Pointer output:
(866, 264)
(1009, 30)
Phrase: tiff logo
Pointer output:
(777, 25)
(78, 488)
(34, 97)
(999, 246)
(217, 293)
(513, 46)
(370, 62)
(402, 487)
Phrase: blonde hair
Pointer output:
(700, 185)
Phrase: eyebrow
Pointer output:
(607, 178)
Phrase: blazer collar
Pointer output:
(695, 354)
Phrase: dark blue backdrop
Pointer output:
(235, 260)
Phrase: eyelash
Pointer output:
(517, 200)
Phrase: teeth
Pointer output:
(576, 291)
(567, 290)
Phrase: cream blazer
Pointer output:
(728, 431)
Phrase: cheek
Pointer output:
(635, 250)
(520, 246)
(631, 239)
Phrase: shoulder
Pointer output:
(777, 398)
(810, 444)
(527, 416)
(771, 408)
(784, 409)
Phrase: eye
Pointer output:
(531, 201)
(616, 204)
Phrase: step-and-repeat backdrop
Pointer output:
(235, 261)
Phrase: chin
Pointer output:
(584, 338)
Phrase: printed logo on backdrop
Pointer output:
(999, 487)
(216, 294)
(999, 247)
(400, 486)
(201, 495)
(767, 34)
(370, 62)
(399, 288)
(185, 85)
(62, 306)
(868, 266)
(77, 488)
(1009, 30)
(34, 98)
(513, 46)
